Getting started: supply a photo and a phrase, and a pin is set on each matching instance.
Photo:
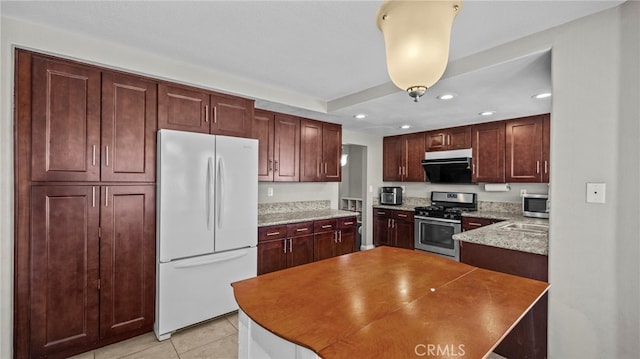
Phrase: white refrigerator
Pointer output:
(207, 225)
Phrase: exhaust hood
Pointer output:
(448, 166)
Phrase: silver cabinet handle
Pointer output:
(206, 113)
(284, 247)
(348, 223)
(215, 114)
(448, 140)
(326, 226)
(380, 213)
(402, 215)
(93, 156)
(388, 222)
(290, 246)
(340, 236)
(537, 166)
(93, 196)
(302, 229)
(272, 234)
(270, 166)
(546, 166)
(276, 165)
(393, 223)
(325, 168)
(473, 168)
(106, 197)
(107, 154)
(399, 170)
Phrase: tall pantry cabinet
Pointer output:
(85, 206)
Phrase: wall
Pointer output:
(423, 190)
(299, 191)
(628, 212)
(584, 136)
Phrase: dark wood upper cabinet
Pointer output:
(183, 109)
(524, 160)
(546, 147)
(232, 116)
(65, 121)
(454, 138)
(392, 158)
(401, 157)
(320, 151)
(263, 130)
(190, 109)
(286, 148)
(488, 148)
(127, 259)
(278, 138)
(64, 268)
(128, 128)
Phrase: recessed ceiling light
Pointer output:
(487, 113)
(542, 95)
(447, 96)
(360, 116)
(404, 127)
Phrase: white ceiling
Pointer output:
(329, 51)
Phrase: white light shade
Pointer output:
(416, 37)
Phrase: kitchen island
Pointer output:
(381, 303)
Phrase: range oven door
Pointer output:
(435, 235)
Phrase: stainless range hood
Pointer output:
(448, 166)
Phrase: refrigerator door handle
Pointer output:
(209, 198)
(191, 264)
(220, 190)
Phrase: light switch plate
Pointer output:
(269, 191)
(596, 192)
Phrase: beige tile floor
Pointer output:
(214, 339)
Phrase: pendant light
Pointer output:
(416, 36)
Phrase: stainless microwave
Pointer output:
(535, 205)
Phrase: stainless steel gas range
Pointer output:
(436, 224)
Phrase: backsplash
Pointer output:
(289, 207)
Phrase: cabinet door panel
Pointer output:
(488, 152)
(414, 151)
(331, 152)
(127, 259)
(436, 140)
(300, 250)
(381, 222)
(128, 128)
(324, 245)
(459, 138)
(392, 158)
(286, 149)
(263, 131)
(310, 150)
(64, 268)
(183, 109)
(272, 256)
(404, 234)
(546, 147)
(232, 116)
(65, 122)
(524, 150)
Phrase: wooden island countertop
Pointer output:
(389, 303)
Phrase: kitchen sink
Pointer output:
(527, 227)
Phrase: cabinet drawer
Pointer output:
(469, 223)
(403, 215)
(272, 232)
(326, 225)
(346, 223)
(299, 229)
(380, 212)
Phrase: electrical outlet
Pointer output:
(523, 191)
(269, 191)
(596, 192)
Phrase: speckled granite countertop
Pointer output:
(494, 235)
(402, 207)
(505, 216)
(272, 219)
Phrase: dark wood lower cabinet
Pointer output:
(285, 246)
(92, 266)
(528, 339)
(393, 228)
